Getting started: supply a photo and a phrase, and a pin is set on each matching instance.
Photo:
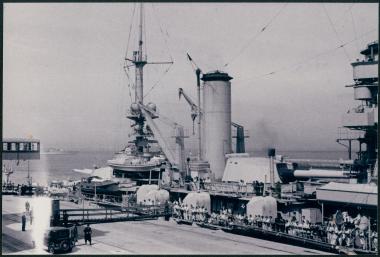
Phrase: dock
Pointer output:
(140, 237)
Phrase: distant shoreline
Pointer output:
(60, 152)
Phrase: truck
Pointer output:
(60, 239)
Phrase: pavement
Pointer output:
(139, 237)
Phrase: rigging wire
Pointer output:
(129, 83)
(145, 42)
(158, 81)
(256, 35)
(130, 29)
(336, 32)
(167, 47)
(162, 32)
(316, 56)
(126, 67)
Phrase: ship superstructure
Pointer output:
(359, 125)
(363, 119)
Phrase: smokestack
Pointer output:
(216, 120)
(271, 155)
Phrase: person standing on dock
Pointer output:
(87, 234)
(65, 218)
(167, 211)
(75, 231)
(31, 216)
(23, 221)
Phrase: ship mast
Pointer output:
(140, 60)
(137, 113)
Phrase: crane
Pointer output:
(194, 114)
(193, 106)
(178, 161)
(240, 144)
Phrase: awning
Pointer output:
(361, 194)
(248, 169)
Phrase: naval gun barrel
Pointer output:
(320, 163)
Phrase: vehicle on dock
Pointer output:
(60, 239)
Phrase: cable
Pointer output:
(125, 68)
(336, 32)
(162, 32)
(158, 81)
(167, 47)
(130, 30)
(129, 84)
(145, 42)
(316, 56)
(256, 35)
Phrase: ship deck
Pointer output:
(140, 237)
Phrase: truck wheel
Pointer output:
(65, 245)
(51, 248)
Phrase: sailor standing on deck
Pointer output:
(185, 212)
(374, 244)
(250, 220)
(181, 210)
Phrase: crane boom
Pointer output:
(195, 110)
(178, 162)
(194, 107)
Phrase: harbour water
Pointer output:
(60, 166)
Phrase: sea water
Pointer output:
(57, 166)
(60, 166)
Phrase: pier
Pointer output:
(140, 237)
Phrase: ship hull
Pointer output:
(110, 188)
(133, 168)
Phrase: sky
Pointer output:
(64, 81)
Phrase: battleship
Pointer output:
(223, 193)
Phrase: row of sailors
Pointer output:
(332, 234)
(150, 202)
(351, 237)
(190, 213)
(360, 221)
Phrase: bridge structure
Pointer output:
(20, 149)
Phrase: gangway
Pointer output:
(82, 216)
